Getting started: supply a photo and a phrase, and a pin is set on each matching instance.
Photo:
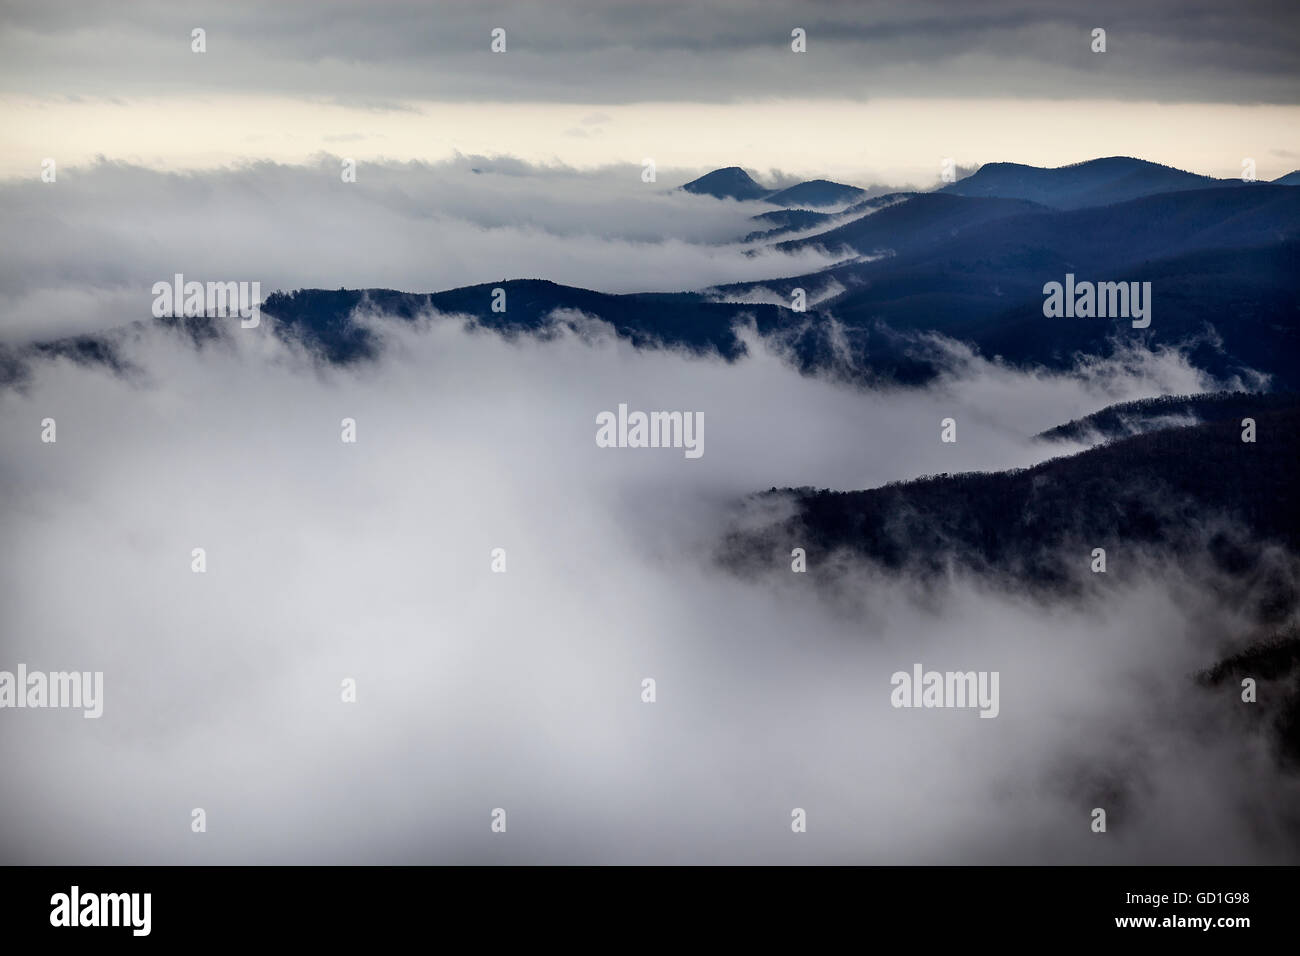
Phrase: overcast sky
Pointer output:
(884, 91)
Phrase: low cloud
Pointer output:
(521, 690)
(83, 254)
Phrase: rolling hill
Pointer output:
(816, 193)
(1097, 182)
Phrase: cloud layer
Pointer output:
(84, 252)
(521, 690)
(619, 52)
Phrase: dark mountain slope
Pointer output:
(1274, 663)
(922, 222)
(879, 202)
(784, 221)
(1097, 182)
(1037, 526)
(1152, 227)
(1220, 258)
(322, 316)
(1149, 414)
(1239, 309)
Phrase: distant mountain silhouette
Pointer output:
(1290, 179)
(816, 193)
(1139, 229)
(731, 182)
(974, 269)
(1150, 414)
(1097, 182)
(924, 220)
(1222, 262)
(321, 317)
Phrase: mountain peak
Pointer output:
(1095, 182)
(730, 182)
(817, 193)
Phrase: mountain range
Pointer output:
(1097, 182)
(915, 272)
(968, 261)
(732, 182)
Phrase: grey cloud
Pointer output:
(622, 52)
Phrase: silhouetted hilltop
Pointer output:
(729, 183)
(816, 193)
(1097, 182)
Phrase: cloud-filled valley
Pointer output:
(520, 690)
(329, 560)
(83, 257)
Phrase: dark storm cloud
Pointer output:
(624, 52)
